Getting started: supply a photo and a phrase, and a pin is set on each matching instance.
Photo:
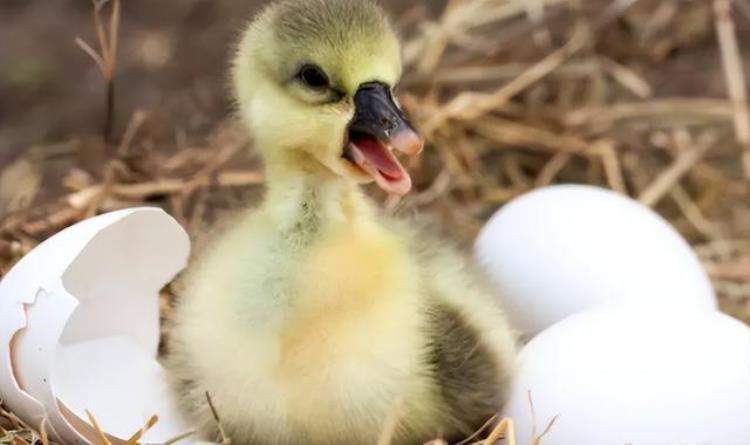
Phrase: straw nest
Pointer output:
(646, 98)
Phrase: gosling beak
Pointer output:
(378, 128)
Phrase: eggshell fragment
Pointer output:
(616, 375)
(564, 249)
(76, 306)
(115, 370)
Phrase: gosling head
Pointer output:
(314, 79)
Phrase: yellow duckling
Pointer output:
(314, 318)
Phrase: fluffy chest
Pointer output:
(352, 268)
(338, 321)
(352, 289)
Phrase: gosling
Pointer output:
(314, 318)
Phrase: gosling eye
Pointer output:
(313, 77)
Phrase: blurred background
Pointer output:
(644, 97)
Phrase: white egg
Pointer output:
(620, 376)
(563, 249)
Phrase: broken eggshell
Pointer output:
(79, 328)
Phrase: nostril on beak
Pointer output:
(388, 125)
(376, 112)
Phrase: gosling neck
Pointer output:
(297, 193)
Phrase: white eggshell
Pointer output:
(560, 250)
(625, 376)
(82, 304)
(133, 380)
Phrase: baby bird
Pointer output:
(313, 319)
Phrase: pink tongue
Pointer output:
(379, 157)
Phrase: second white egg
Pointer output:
(563, 249)
(616, 375)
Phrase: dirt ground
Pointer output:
(173, 58)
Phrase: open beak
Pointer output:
(378, 128)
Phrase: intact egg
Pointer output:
(560, 250)
(618, 376)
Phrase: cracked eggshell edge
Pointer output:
(34, 289)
